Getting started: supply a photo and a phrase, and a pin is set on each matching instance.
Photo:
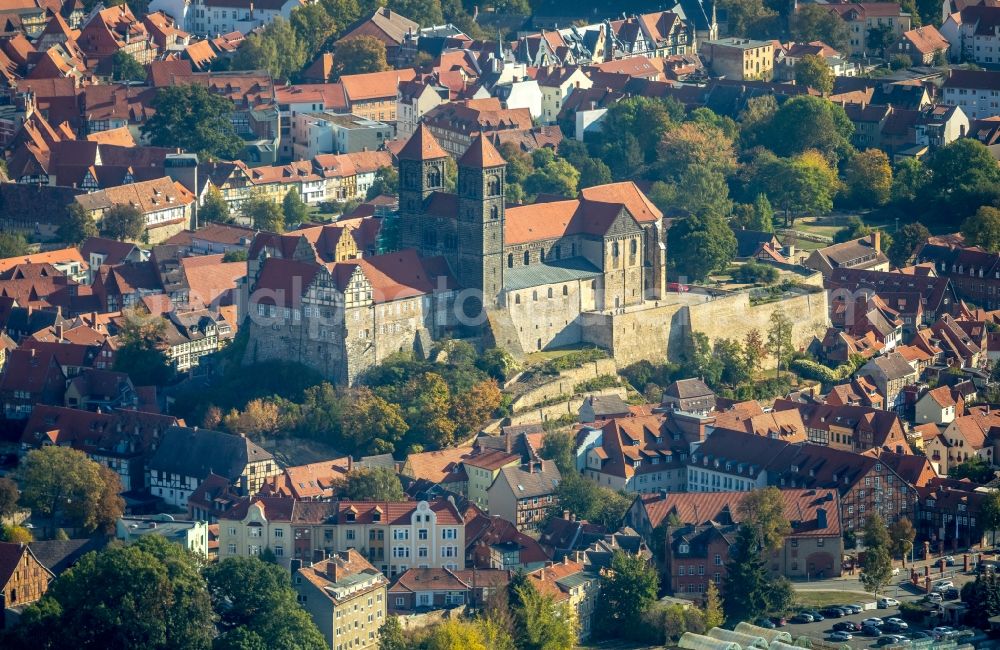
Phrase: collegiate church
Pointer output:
(528, 274)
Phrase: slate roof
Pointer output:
(555, 272)
(539, 482)
(59, 555)
(198, 452)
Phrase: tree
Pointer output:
(498, 364)
(141, 349)
(214, 208)
(294, 208)
(806, 122)
(876, 570)
(195, 119)
(982, 599)
(559, 447)
(963, 177)
(989, 514)
(265, 214)
(12, 245)
(880, 38)
(540, 624)
(757, 216)
(703, 191)
(713, 610)
(908, 180)
(748, 17)
(375, 484)
(754, 351)
(817, 23)
(145, 595)
(901, 536)
(386, 182)
(312, 26)
(763, 511)
(375, 425)
(588, 500)
(259, 417)
(124, 67)
(868, 178)
(699, 245)
(905, 242)
(473, 408)
(779, 339)
(812, 71)
(453, 634)
(16, 535)
(627, 591)
(699, 144)
(258, 596)
(62, 484)
(124, 223)
(390, 635)
(746, 579)
(277, 49)
(556, 176)
(428, 400)
(9, 495)
(983, 229)
(975, 469)
(77, 227)
(359, 55)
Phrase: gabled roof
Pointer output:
(198, 452)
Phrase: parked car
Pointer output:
(893, 628)
(916, 636)
(934, 598)
(846, 626)
(942, 631)
(942, 585)
(875, 622)
(764, 622)
(892, 639)
(779, 621)
(802, 617)
(950, 593)
(870, 630)
(886, 603)
(817, 617)
(854, 609)
(898, 621)
(833, 612)
(841, 636)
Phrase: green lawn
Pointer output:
(827, 598)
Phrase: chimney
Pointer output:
(508, 441)
(333, 569)
(59, 332)
(876, 238)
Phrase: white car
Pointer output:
(876, 622)
(886, 603)
(934, 598)
(895, 570)
(942, 631)
(898, 621)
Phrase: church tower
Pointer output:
(481, 173)
(421, 173)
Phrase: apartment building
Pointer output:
(345, 596)
(743, 59)
(977, 92)
(393, 536)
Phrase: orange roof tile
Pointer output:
(422, 145)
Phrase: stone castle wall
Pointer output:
(563, 385)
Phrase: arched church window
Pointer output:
(494, 212)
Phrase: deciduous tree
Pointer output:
(817, 23)
(806, 122)
(868, 178)
(627, 591)
(983, 229)
(12, 244)
(61, 483)
(276, 49)
(559, 446)
(124, 67)
(779, 339)
(124, 223)
(265, 214)
(195, 119)
(294, 208)
(901, 536)
(375, 425)
(763, 511)
(9, 495)
(713, 610)
(359, 55)
(375, 484)
(214, 208)
(474, 407)
(141, 350)
(699, 245)
(905, 242)
(313, 26)
(813, 71)
(78, 226)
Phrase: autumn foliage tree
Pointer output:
(359, 55)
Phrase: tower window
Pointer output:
(550, 292)
(510, 260)
(494, 212)
(633, 247)
(565, 289)
(541, 255)
(433, 178)
(614, 249)
(527, 258)
(493, 186)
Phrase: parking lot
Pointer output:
(822, 629)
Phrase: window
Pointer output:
(422, 534)
(718, 560)
(683, 548)
(231, 549)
